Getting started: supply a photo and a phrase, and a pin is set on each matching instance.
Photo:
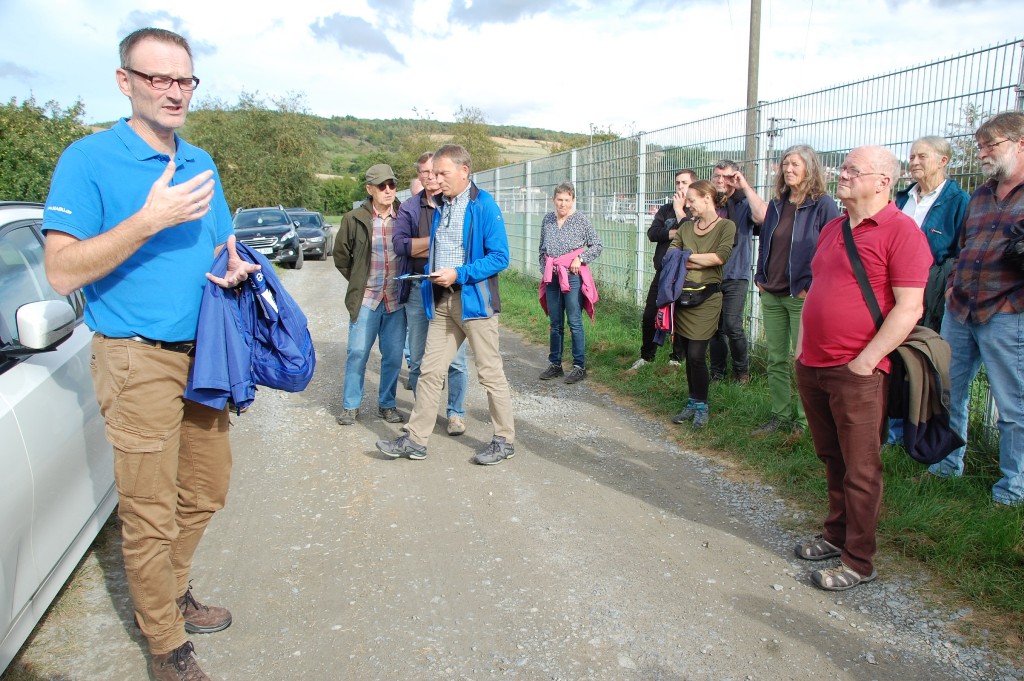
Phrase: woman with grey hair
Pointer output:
(568, 243)
(794, 219)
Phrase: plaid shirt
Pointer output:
(448, 247)
(381, 285)
(983, 283)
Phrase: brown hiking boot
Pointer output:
(177, 665)
(202, 619)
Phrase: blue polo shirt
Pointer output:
(102, 180)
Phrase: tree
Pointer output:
(265, 156)
(471, 131)
(32, 138)
(964, 166)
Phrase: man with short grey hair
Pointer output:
(468, 249)
(842, 362)
(984, 320)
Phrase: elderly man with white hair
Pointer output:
(842, 360)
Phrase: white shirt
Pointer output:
(917, 206)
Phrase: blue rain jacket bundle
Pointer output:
(255, 335)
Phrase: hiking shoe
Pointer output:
(675, 363)
(576, 375)
(402, 446)
(456, 426)
(553, 371)
(687, 413)
(347, 417)
(774, 424)
(202, 619)
(700, 415)
(638, 365)
(743, 378)
(839, 578)
(817, 549)
(177, 665)
(389, 414)
(795, 434)
(496, 452)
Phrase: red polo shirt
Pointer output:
(837, 324)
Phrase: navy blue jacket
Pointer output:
(811, 216)
(243, 340)
(944, 219)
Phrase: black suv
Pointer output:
(315, 234)
(270, 231)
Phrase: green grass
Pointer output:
(972, 549)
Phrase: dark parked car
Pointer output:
(316, 235)
(270, 231)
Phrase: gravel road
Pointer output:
(601, 551)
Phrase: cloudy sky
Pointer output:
(559, 64)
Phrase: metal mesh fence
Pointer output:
(620, 184)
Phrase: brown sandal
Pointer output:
(817, 549)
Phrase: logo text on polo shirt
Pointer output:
(59, 209)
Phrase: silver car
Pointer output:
(58, 469)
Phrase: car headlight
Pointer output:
(290, 234)
(315, 240)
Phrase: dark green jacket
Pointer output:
(352, 247)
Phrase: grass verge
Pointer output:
(972, 550)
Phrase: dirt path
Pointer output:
(601, 551)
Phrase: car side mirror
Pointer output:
(43, 325)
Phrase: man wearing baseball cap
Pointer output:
(365, 256)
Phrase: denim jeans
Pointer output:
(388, 329)
(416, 318)
(846, 415)
(780, 315)
(564, 307)
(731, 335)
(999, 344)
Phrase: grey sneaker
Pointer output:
(773, 425)
(402, 446)
(456, 426)
(638, 365)
(496, 452)
(687, 413)
(700, 415)
(553, 371)
(347, 417)
(675, 363)
(389, 414)
(576, 375)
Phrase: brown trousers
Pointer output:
(172, 465)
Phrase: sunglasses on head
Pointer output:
(390, 184)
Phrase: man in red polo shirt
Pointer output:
(842, 365)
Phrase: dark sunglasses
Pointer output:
(390, 184)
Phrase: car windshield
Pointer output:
(307, 219)
(261, 218)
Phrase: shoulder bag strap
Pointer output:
(862, 276)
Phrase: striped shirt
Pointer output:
(381, 285)
(984, 283)
(575, 232)
(448, 245)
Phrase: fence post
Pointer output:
(528, 218)
(641, 214)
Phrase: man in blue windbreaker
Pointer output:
(134, 218)
(468, 249)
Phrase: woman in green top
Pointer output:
(710, 238)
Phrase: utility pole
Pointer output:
(753, 63)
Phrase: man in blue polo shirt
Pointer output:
(134, 218)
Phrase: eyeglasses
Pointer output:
(164, 82)
(389, 184)
(989, 146)
(853, 173)
(425, 171)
